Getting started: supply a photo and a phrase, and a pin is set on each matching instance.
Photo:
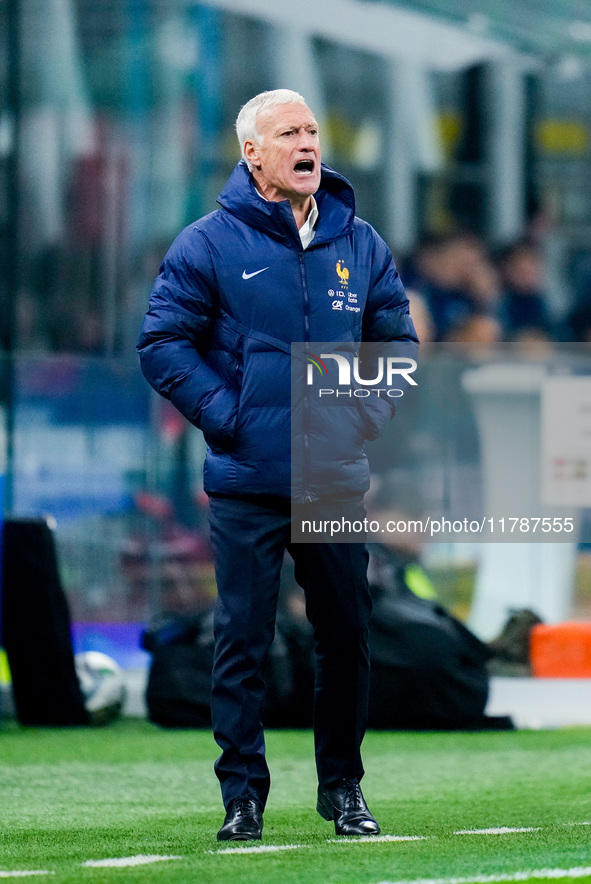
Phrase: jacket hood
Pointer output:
(334, 197)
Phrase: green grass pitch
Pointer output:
(69, 796)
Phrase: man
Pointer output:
(235, 289)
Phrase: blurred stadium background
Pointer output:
(466, 134)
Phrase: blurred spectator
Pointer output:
(532, 343)
(421, 316)
(457, 279)
(580, 321)
(477, 327)
(523, 305)
(89, 331)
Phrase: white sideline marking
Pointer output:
(500, 830)
(264, 848)
(25, 874)
(541, 874)
(372, 839)
(140, 860)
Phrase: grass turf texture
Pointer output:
(68, 796)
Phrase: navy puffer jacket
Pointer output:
(234, 290)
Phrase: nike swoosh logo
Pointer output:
(246, 275)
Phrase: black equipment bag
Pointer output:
(36, 628)
(428, 671)
(178, 692)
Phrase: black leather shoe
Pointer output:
(244, 820)
(346, 805)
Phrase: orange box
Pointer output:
(561, 650)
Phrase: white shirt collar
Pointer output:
(307, 232)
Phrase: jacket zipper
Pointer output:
(306, 464)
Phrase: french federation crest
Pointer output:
(343, 273)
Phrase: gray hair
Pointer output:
(246, 121)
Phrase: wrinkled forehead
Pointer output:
(284, 116)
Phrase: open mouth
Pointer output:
(304, 167)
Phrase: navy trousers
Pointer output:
(249, 539)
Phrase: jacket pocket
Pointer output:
(377, 414)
